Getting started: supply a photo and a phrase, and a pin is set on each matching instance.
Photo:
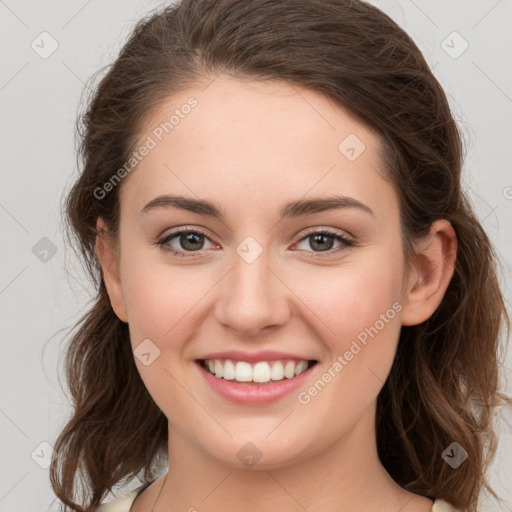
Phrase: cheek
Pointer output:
(358, 308)
(162, 304)
(348, 299)
(362, 313)
(162, 299)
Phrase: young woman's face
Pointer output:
(267, 280)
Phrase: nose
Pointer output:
(252, 298)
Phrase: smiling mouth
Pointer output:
(261, 373)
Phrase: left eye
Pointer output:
(323, 240)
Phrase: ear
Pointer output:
(108, 257)
(431, 273)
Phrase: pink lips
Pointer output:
(253, 394)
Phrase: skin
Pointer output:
(250, 147)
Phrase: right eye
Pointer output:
(191, 240)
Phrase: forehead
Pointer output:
(231, 138)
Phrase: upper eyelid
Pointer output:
(330, 231)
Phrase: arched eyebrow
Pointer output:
(291, 209)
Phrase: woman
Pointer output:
(227, 144)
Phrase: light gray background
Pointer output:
(39, 100)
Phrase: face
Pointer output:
(322, 284)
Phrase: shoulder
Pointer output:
(122, 504)
(441, 505)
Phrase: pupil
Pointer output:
(190, 238)
(320, 237)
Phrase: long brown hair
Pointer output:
(443, 385)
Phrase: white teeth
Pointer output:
(301, 367)
(260, 372)
(243, 371)
(289, 370)
(228, 371)
(219, 369)
(277, 371)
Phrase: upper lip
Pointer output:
(254, 357)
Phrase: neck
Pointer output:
(346, 475)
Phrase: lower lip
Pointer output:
(252, 394)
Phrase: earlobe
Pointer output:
(433, 271)
(107, 256)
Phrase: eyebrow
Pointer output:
(289, 210)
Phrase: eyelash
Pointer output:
(346, 242)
